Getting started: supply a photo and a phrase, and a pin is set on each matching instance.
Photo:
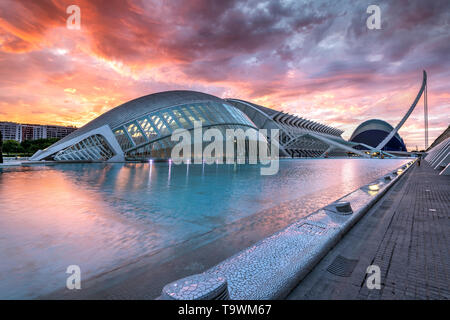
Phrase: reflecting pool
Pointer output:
(103, 216)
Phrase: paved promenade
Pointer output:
(406, 234)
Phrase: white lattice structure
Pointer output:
(141, 129)
(299, 137)
(439, 157)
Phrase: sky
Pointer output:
(316, 59)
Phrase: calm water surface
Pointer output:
(100, 216)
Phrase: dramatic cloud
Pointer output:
(313, 58)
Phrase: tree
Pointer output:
(1, 145)
(12, 146)
(27, 147)
(31, 146)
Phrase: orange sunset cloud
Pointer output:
(315, 59)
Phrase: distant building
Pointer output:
(21, 132)
(11, 131)
(372, 132)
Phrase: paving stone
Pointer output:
(408, 241)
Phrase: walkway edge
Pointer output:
(272, 267)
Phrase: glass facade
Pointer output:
(93, 148)
(161, 149)
(123, 139)
(149, 135)
(141, 128)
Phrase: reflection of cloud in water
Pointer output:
(101, 216)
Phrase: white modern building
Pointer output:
(141, 129)
(299, 137)
(11, 131)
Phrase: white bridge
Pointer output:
(300, 137)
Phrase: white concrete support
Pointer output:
(437, 152)
(104, 131)
(446, 171)
(442, 155)
(444, 162)
(434, 152)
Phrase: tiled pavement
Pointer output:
(406, 234)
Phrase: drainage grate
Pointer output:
(342, 266)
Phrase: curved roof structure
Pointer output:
(142, 128)
(133, 109)
(373, 131)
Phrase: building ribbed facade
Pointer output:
(141, 129)
(299, 137)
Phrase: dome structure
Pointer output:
(373, 131)
(142, 128)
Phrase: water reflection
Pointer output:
(50, 221)
(99, 216)
(170, 170)
(349, 172)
